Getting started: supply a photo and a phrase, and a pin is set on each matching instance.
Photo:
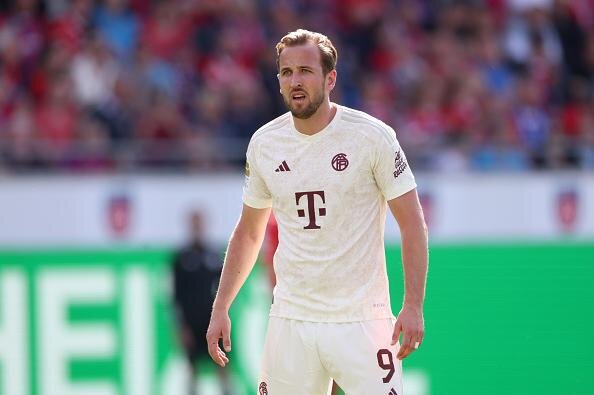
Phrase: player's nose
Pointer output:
(296, 82)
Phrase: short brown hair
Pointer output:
(328, 53)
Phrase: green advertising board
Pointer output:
(512, 319)
(507, 319)
(100, 322)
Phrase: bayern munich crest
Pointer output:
(340, 162)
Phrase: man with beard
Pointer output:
(329, 173)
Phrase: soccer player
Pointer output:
(329, 173)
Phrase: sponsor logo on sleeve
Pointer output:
(399, 163)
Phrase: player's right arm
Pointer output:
(241, 255)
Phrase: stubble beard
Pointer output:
(308, 111)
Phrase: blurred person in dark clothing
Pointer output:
(196, 271)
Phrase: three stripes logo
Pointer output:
(283, 167)
(392, 392)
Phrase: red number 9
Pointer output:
(386, 366)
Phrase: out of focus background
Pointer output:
(119, 118)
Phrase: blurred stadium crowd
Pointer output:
(120, 85)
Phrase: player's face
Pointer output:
(303, 84)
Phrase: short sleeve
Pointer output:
(391, 170)
(255, 191)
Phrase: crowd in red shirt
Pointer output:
(123, 85)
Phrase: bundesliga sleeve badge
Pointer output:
(399, 163)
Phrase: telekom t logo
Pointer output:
(311, 207)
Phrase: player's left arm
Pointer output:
(409, 214)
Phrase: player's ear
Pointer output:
(331, 79)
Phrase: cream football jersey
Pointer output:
(328, 192)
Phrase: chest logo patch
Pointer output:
(311, 207)
(340, 162)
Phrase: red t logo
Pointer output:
(311, 208)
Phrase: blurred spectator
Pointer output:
(156, 73)
(94, 72)
(572, 37)
(167, 29)
(70, 27)
(22, 40)
(532, 122)
(19, 140)
(497, 78)
(481, 85)
(531, 28)
(56, 119)
(161, 133)
(196, 270)
(118, 26)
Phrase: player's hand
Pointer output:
(219, 328)
(410, 324)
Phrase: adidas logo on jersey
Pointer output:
(283, 167)
(392, 392)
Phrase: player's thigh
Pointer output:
(361, 360)
(290, 362)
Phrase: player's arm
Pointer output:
(241, 255)
(409, 215)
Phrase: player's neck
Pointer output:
(317, 121)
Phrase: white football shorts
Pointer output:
(301, 358)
